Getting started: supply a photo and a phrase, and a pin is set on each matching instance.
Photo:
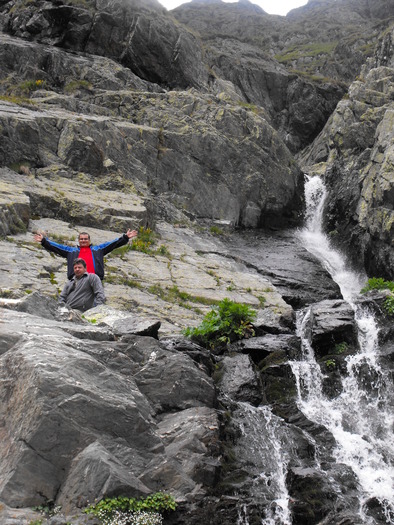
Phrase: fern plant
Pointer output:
(227, 322)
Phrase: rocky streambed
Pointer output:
(118, 402)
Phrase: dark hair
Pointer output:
(83, 233)
(80, 261)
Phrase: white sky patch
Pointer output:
(272, 7)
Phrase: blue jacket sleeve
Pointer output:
(107, 247)
(59, 249)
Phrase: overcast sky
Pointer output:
(273, 7)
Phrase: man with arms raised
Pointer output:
(93, 255)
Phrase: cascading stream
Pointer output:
(360, 418)
(264, 442)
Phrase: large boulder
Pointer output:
(331, 323)
(80, 416)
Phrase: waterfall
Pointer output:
(361, 418)
(264, 442)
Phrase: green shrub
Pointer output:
(143, 243)
(163, 250)
(32, 85)
(330, 364)
(340, 348)
(377, 283)
(388, 304)
(215, 230)
(262, 300)
(143, 511)
(225, 323)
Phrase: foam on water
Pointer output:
(360, 418)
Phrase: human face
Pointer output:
(84, 240)
(79, 270)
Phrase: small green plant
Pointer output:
(216, 277)
(388, 304)
(224, 324)
(171, 295)
(75, 85)
(48, 510)
(262, 300)
(330, 364)
(142, 243)
(377, 283)
(215, 230)
(36, 522)
(132, 511)
(163, 250)
(32, 85)
(340, 348)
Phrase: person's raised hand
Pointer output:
(131, 233)
(38, 237)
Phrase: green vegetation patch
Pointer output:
(227, 322)
(28, 86)
(132, 511)
(76, 85)
(314, 49)
(18, 100)
(377, 283)
(144, 243)
(341, 348)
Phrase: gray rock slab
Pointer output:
(331, 323)
(239, 379)
(94, 474)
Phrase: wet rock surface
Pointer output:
(279, 256)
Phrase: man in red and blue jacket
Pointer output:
(93, 255)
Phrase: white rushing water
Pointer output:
(361, 417)
(265, 440)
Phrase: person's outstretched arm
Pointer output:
(51, 246)
(107, 247)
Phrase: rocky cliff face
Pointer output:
(118, 30)
(355, 152)
(297, 67)
(213, 158)
(117, 115)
